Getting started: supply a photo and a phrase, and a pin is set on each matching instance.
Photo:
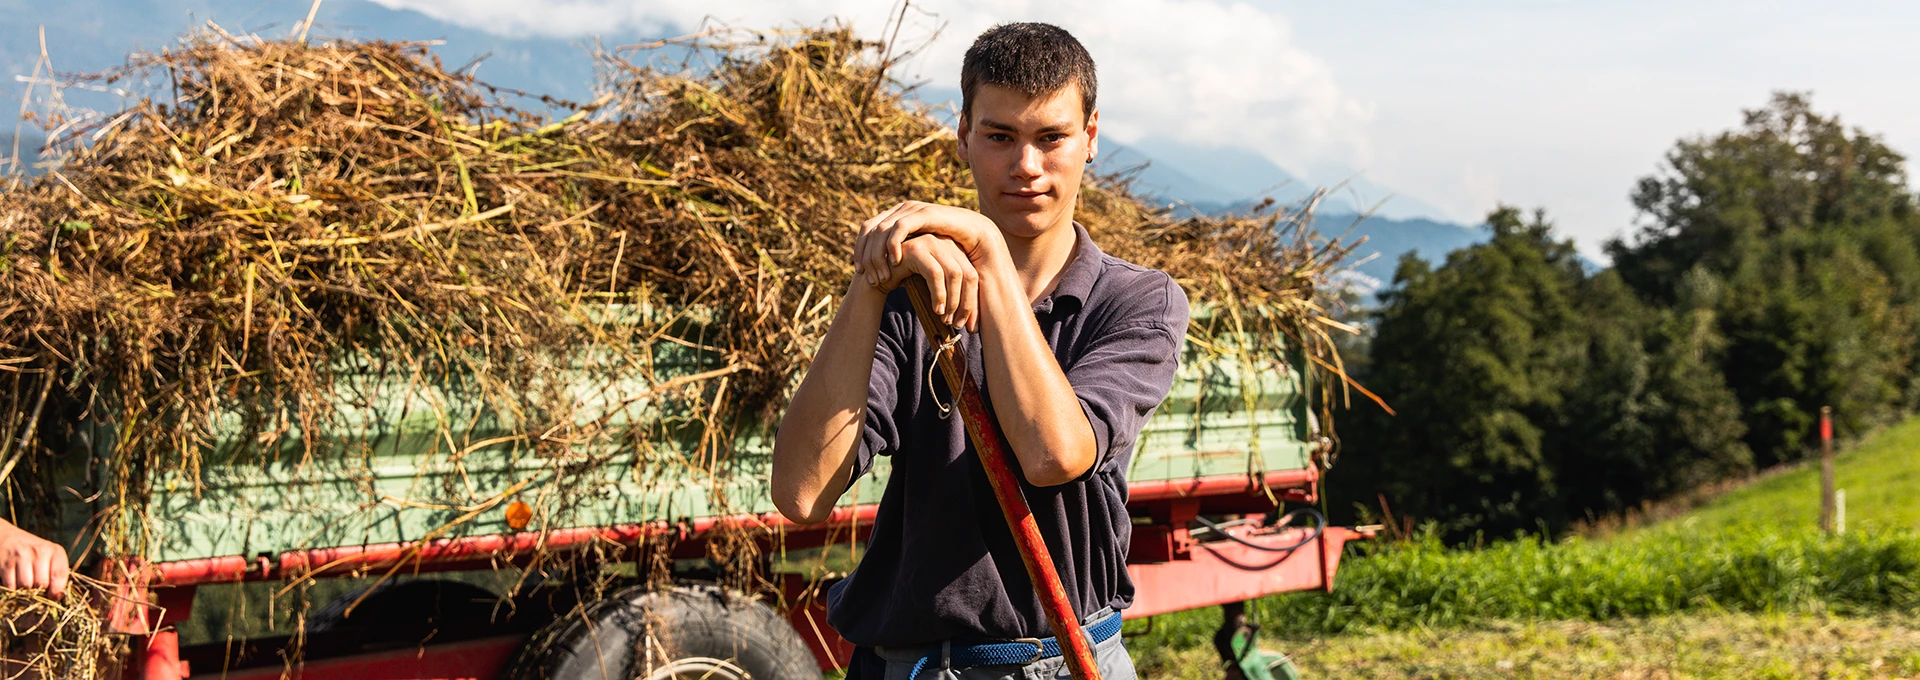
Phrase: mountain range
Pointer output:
(1217, 181)
(92, 35)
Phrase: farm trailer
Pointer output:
(1212, 470)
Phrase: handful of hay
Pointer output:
(41, 637)
(295, 215)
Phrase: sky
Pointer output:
(1453, 106)
(1459, 105)
(1564, 105)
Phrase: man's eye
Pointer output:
(1055, 138)
(1000, 137)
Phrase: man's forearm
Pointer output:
(820, 433)
(1033, 402)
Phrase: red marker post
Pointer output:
(985, 435)
(1826, 469)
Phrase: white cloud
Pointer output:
(1194, 71)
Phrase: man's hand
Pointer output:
(29, 561)
(882, 240)
(951, 278)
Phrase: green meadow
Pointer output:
(1739, 584)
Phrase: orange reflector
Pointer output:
(518, 515)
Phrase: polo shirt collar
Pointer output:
(1076, 282)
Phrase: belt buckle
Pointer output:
(1039, 649)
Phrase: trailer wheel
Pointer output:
(689, 632)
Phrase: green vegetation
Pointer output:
(1802, 233)
(1530, 394)
(1423, 583)
(1754, 549)
(1742, 585)
(1881, 476)
(1709, 645)
(1775, 270)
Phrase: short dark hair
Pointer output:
(1034, 58)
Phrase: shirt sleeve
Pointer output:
(880, 435)
(1128, 369)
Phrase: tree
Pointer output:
(1476, 357)
(1776, 269)
(1531, 395)
(1696, 422)
(1811, 231)
(1651, 415)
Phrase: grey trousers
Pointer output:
(1110, 656)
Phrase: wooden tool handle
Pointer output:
(994, 455)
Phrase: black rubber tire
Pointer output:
(693, 631)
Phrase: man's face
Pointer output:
(1027, 155)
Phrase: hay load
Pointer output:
(298, 237)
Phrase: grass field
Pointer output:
(1740, 586)
(1881, 476)
(1690, 646)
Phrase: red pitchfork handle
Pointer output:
(994, 455)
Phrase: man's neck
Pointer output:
(1040, 260)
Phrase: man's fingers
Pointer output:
(860, 260)
(956, 286)
(42, 565)
(871, 247)
(877, 250)
(882, 248)
(954, 283)
(57, 576)
(861, 243)
(902, 227)
(930, 268)
(970, 297)
(11, 575)
(882, 239)
(861, 266)
(954, 267)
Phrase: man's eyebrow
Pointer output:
(992, 124)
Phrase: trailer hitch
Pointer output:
(1237, 641)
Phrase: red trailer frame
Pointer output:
(1171, 569)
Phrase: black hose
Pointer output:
(1319, 526)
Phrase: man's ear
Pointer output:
(961, 141)
(1093, 135)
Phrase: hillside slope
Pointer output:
(1880, 474)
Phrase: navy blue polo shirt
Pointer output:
(941, 563)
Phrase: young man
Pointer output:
(1075, 349)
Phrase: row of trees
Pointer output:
(1776, 269)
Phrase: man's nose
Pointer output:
(1031, 162)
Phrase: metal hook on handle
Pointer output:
(933, 368)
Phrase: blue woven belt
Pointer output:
(1014, 652)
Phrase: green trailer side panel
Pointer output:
(397, 481)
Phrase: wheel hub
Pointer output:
(698, 668)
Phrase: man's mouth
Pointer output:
(1025, 194)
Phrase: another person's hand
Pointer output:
(882, 239)
(29, 561)
(951, 278)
